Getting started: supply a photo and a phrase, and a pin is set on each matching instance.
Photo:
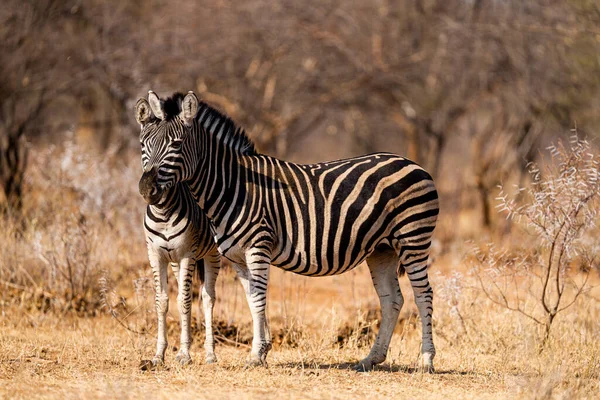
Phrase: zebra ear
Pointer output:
(143, 113)
(156, 105)
(189, 107)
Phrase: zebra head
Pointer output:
(165, 132)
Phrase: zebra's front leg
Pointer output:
(254, 279)
(160, 273)
(211, 271)
(184, 304)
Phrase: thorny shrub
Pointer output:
(559, 210)
(137, 316)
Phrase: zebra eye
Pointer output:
(176, 144)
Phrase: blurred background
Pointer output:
(470, 89)
(473, 90)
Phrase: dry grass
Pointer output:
(486, 353)
(60, 342)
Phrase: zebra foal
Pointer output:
(177, 233)
(315, 220)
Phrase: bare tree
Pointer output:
(400, 76)
(23, 92)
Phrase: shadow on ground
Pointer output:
(385, 367)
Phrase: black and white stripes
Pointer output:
(315, 220)
(177, 233)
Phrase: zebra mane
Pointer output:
(172, 106)
(234, 135)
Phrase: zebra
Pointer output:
(315, 220)
(177, 233)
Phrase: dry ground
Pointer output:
(483, 352)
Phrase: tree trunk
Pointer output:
(13, 160)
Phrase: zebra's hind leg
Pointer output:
(211, 271)
(184, 304)
(415, 262)
(383, 266)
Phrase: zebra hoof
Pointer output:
(210, 359)
(427, 369)
(147, 365)
(363, 366)
(255, 362)
(427, 363)
(151, 365)
(183, 359)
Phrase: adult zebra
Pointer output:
(316, 220)
(177, 233)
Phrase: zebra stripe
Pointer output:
(178, 233)
(315, 220)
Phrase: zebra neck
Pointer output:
(166, 207)
(218, 186)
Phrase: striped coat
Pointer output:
(179, 234)
(316, 220)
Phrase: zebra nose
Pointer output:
(148, 187)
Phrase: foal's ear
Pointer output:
(189, 108)
(156, 105)
(143, 113)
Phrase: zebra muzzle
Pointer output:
(148, 187)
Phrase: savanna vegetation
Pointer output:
(499, 100)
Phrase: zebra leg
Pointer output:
(415, 262)
(211, 271)
(175, 269)
(160, 272)
(254, 279)
(383, 266)
(184, 304)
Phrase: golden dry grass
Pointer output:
(490, 354)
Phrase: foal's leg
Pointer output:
(160, 272)
(184, 304)
(211, 271)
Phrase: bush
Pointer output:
(556, 209)
(80, 212)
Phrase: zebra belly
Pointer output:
(306, 264)
(316, 269)
(298, 265)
